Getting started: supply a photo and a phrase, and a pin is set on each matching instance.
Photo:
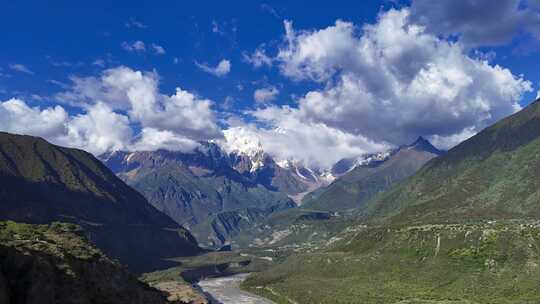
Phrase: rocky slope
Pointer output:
(55, 264)
(200, 190)
(42, 183)
(288, 176)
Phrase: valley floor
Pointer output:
(486, 262)
(226, 290)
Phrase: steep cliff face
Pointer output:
(53, 264)
(42, 183)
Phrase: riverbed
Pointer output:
(226, 290)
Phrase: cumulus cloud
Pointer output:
(17, 117)
(137, 93)
(289, 137)
(264, 95)
(153, 139)
(20, 68)
(137, 46)
(478, 22)
(111, 107)
(393, 80)
(97, 131)
(223, 68)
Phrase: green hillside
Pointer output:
(464, 229)
(493, 175)
(350, 191)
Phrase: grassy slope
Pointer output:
(492, 175)
(473, 263)
(464, 229)
(352, 190)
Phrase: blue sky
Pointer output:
(46, 45)
(56, 41)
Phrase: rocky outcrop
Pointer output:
(54, 264)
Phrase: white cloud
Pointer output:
(98, 130)
(393, 81)
(267, 94)
(17, 117)
(137, 93)
(317, 55)
(137, 46)
(20, 68)
(258, 58)
(223, 68)
(158, 49)
(153, 139)
(111, 107)
(290, 137)
(478, 22)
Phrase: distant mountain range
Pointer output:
(42, 183)
(201, 190)
(329, 209)
(217, 191)
(363, 177)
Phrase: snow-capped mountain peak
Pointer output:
(241, 140)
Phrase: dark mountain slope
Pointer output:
(53, 264)
(42, 183)
(354, 188)
(492, 175)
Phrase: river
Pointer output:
(226, 290)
